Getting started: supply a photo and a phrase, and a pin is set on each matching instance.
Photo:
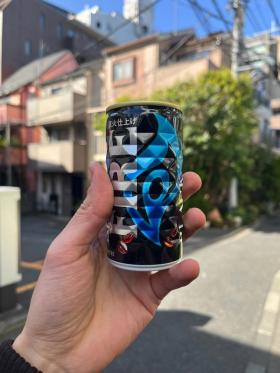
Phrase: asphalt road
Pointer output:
(208, 327)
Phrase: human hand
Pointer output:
(84, 312)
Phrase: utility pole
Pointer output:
(237, 42)
(237, 35)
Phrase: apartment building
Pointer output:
(158, 61)
(31, 29)
(129, 26)
(14, 133)
(259, 59)
(68, 141)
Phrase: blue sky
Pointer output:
(171, 15)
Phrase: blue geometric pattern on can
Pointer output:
(154, 155)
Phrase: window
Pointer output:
(42, 22)
(98, 24)
(58, 134)
(59, 30)
(28, 48)
(55, 91)
(145, 29)
(124, 70)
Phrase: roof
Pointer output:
(30, 72)
(79, 71)
(71, 19)
(71, 75)
(147, 40)
(91, 32)
(132, 44)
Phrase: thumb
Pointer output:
(93, 213)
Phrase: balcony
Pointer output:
(59, 108)
(17, 156)
(275, 122)
(62, 156)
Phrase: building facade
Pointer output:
(106, 23)
(259, 59)
(15, 135)
(31, 29)
(139, 68)
(141, 12)
(68, 143)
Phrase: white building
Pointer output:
(106, 23)
(131, 10)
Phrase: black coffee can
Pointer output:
(144, 162)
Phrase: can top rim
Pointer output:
(142, 103)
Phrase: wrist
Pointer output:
(34, 356)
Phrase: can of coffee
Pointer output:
(144, 162)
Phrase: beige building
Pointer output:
(66, 108)
(139, 68)
(62, 157)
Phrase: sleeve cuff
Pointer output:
(12, 362)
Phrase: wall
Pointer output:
(167, 76)
(150, 77)
(146, 63)
(21, 21)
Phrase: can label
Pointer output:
(144, 162)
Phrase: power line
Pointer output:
(260, 15)
(254, 19)
(119, 27)
(207, 11)
(198, 13)
(273, 11)
(220, 13)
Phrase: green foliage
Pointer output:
(2, 142)
(99, 122)
(219, 122)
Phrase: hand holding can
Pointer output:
(144, 162)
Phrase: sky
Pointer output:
(173, 15)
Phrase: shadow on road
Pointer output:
(175, 342)
(269, 224)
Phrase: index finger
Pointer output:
(191, 184)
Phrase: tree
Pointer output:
(219, 123)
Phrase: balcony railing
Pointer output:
(65, 156)
(59, 108)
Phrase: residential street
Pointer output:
(208, 327)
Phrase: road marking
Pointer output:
(267, 326)
(32, 265)
(26, 287)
